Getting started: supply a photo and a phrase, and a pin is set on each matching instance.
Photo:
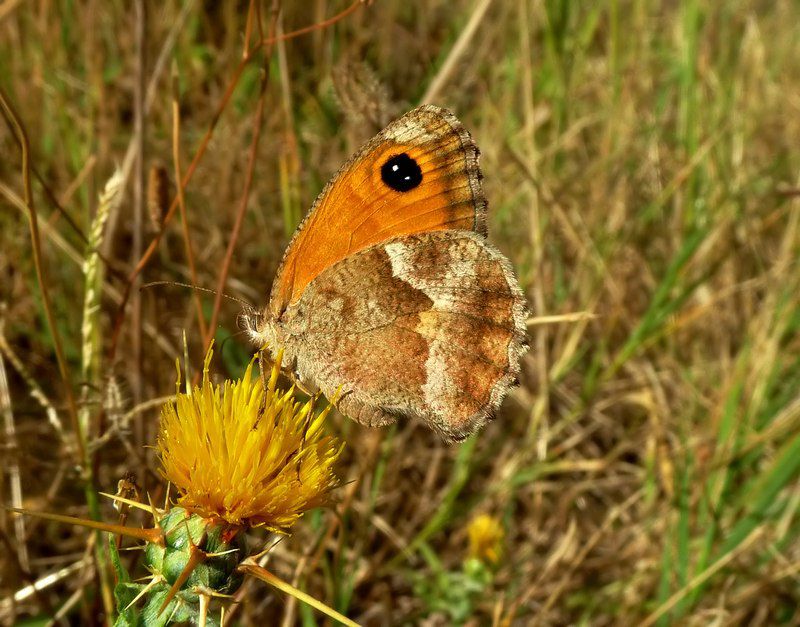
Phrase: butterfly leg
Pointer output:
(264, 367)
(305, 389)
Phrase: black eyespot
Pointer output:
(401, 173)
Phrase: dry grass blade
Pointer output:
(433, 93)
(254, 570)
(176, 159)
(12, 465)
(33, 387)
(251, 164)
(48, 580)
(14, 122)
(148, 253)
(700, 578)
(75, 257)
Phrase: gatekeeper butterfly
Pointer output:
(389, 291)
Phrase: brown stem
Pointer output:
(187, 240)
(15, 124)
(138, 206)
(242, 210)
(319, 25)
(148, 253)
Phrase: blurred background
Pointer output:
(642, 166)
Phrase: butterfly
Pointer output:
(389, 298)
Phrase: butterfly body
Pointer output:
(389, 292)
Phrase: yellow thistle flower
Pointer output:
(485, 539)
(245, 455)
(241, 455)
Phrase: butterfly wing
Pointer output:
(427, 326)
(419, 174)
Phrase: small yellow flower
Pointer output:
(246, 455)
(485, 539)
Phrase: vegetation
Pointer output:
(642, 166)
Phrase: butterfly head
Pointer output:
(258, 326)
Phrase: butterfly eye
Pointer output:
(401, 173)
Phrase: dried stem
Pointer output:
(176, 159)
(15, 124)
(138, 205)
(251, 163)
(33, 589)
(319, 25)
(12, 460)
(456, 52)
(148, 253)
(35, 390)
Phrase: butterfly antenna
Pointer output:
(199, 289)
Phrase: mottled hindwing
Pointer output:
(427, 326)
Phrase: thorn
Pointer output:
(174, 609)
(148, 535)
(196, 557)
(204, 601)
(212, 593)
(221, 553)
(203, 537)
(155, 581)
(262, 553)
(153, 510)
(138, 547)
(129, 502)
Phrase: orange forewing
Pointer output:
(358, 210)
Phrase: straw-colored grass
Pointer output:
(642, 163)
